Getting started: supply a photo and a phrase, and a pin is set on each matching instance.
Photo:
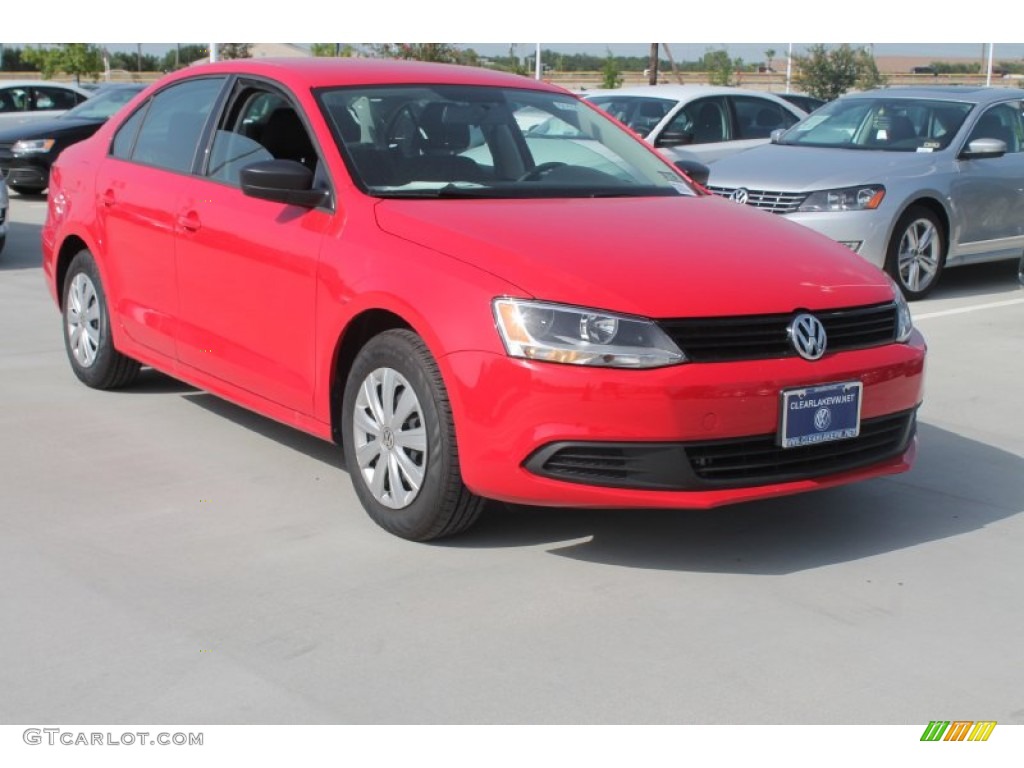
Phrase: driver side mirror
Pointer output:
(282, 181)
(697, 171)
(674, 139)
(980, 148)
(776, 135)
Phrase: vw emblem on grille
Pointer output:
(740, 196)
(807, 335)
(822, 419)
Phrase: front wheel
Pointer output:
(917, 252)
(399, 441)
(87, 337)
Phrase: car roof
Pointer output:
(678, 92)
(43, 83)
(972, 93)
(319, 72)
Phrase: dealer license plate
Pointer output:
(820, 414)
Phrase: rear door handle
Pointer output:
(189, 221)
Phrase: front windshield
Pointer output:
(888, 124)
(102, 105)
(472, 141)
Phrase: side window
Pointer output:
(54, 98)
(756, 118)
(124, 140)
(14, 100)
(1003, 122)
(170, 133)
(705, 120)
(260, 125)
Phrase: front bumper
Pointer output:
(509, 412)
(25, 172)
(868, 228)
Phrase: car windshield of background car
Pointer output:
(890, 125)
(101, 106)
(471, 141)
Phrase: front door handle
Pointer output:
(189, 221)
(107, 199)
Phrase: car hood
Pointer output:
(44, 129)
(655, 256)
(804, 169)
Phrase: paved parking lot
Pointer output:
(169, 558)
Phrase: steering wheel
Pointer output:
(538, 171)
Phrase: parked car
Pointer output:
(310, 239)
(23, 101)
(28, 151)
(806, 103)
(698, 122)
(913, 179)
(4, 204)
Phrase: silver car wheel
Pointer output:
(919, 254)
(83, 320)
(390, 438)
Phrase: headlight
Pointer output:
(865, 198)
(555, 333)
(904, 323)
(32, 146)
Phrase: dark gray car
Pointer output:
(913, 179)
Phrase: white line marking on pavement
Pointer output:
(963, 310)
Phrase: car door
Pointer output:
(988, 192)
(138, 187)
(704, 128)
(247, 267)
(754, 119)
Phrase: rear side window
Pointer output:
(125, 138)
(757, 117)
(171, 126)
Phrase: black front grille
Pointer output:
(752, 337)
(748, 461)
(731, 463)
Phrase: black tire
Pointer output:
(920, 235)
(3, 242)
(93, 358)
(441, 505)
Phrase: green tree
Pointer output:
(75, 59)
(769, 55)
(611, 76)
(721, 67)
(331, 49)
(828, 74)
(439, 52)
(234, 50)
(182, 56)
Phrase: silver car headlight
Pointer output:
(32, 146)
(865, 198)
(555, 333)
(904, 322)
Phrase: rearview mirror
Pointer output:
(282, 181)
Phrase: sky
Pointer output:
(741, 26)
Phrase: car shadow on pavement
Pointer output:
(958, 485)
(311, 446)
(990, 280)
(22, 250)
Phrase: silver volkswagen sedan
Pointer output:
(913, 179)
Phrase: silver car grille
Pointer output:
(766, 200)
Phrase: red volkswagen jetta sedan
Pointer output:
(383, 255)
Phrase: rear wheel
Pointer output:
(399, 441)
(917, 252)
(87, 336)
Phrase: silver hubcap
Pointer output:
(920, 249)
(83, 319)
(390, 439)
